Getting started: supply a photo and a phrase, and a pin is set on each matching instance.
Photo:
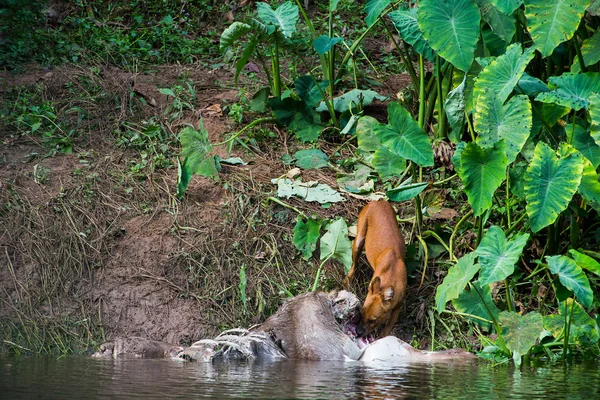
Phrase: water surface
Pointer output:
(90, 378)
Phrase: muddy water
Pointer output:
(87, 378)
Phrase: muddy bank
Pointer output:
(94, 244)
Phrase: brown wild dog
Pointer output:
(378, 233)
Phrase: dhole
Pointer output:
(384, 245)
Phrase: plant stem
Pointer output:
(275, 68)
(421, 91)
(512, 228)
(509, 306)
(405, 61)
(439, 134)
(244, 129)
(507, 198)
(438, 238)
(463, 219)
(314, 287)
(467, 315)
(281, 203)
(426, 255)
(443, 181)
(494, 321)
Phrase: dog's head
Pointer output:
(378, 306)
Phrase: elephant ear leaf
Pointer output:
(284, 18)
(455, 282)
(498, 256)
(574, 91)
(407, 25)
(550, 182)
(452, 29)
(500, 76)
(572, 277)
(403, 136)
(482, 171)
(511, 121)
(520, 333)
(374, 8)
(507, 6)
(233, 33)
(552, 22)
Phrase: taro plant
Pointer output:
(529, 158)
(274, 33)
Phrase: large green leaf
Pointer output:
(478, 302)
(507, 6)
(582, 329)
(406, 23)
(309, 91)
(550, 183)
(497, 255)
(553, 22)
(511, 122)
(452, 29)
(374, 8)
(454, 105)
(311, 159)
(367, 140)
(572, 277)
(586, 262)
(406, 191)
(335, 244)
(298, 116)
(352, 99)
(502, 24)
(520, 333)
(531, 85)
(583, 141)
(197, 157)
(595, 115)
(324, 43)
(499, 77)
(284, 18)
(572, 90)
(590, 49)
(306, 235)
(233, 33)
(388, 164)
(454, 283)
(241, 63)
(590, 185)
(482, 171)
(404, 137)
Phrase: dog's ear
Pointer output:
(375, 285)
(388, 294)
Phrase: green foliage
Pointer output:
(454, 283)
(497, 255)
(335, 244)
(572, 277)
(550, 182)
(311, 159)
(403, 137)
(452, 28)
(197, 157)
(483, 171)
(520, 333)
(549, 24)
(306, 235)
(407, 25)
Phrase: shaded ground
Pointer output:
(91, 250)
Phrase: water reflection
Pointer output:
(158, 379)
